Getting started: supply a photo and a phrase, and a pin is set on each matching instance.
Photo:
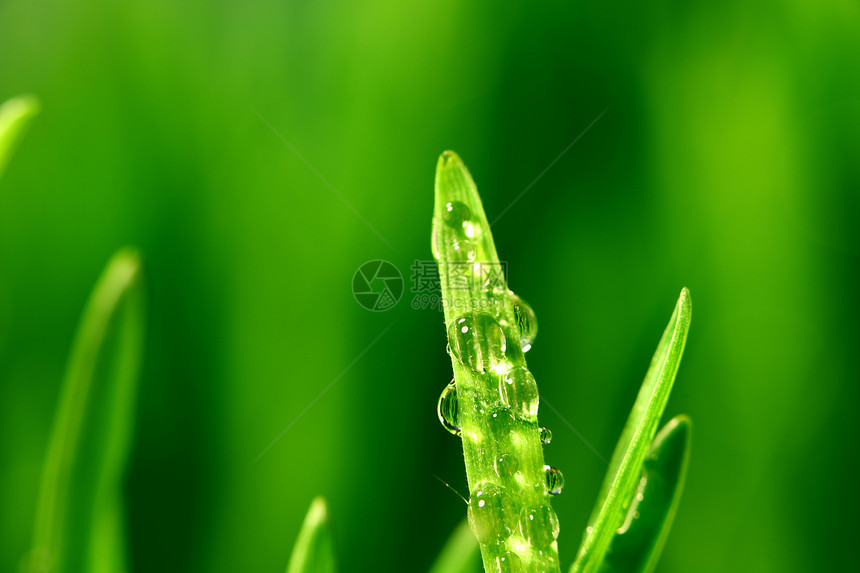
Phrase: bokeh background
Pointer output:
(728, 160)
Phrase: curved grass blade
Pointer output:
(496, 396)
(79, 520)
(15, 114)
(626, 465)
(638, 543)
(314, 548)
(460, 553)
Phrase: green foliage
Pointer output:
(79, 520)
(15, 115)
(728, 162)
(314, 548)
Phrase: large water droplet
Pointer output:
(545, 435)
(519, 392)
(554, 480)
(539, 525)
(507, 465)
(488, 506)
(477, 341)
(526, 321)
(455, 214)
(447, 407)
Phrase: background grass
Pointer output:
(727, 162)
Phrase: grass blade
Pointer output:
(638, 543)
(496, 396)
(15, 114)
(626, 466)
(460, 553)
(314, 548)
(80, 513)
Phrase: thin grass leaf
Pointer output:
(639, 541)
(314, 548)
(494, 395)
(79, 519)
(460, 553)
(626, 465)
(15, 114)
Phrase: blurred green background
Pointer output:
(728, 161)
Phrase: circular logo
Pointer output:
(377, 285)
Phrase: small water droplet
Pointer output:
(464, 251)
(477, 341)
(554, 480)
(526, 321)
(507, 465)
(545, 436)
(455, 214)
(539, 525)
(519, 391)
(509, 561)
(487, 509)
(447, 407)
(434, 241)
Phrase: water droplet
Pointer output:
(554, 480)
(526, 321)
(507, 465)
(477, 341)
(464, 251)
(501, 422)
(487, 509)
(446, 409)
(509, 561)
(545, 436)
(519, 391)
(539, 525)
(455, 214)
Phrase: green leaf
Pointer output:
(460, 553)
(625, 469)
(639, 541)
(314, 548)
(79, 520)
(15, 114)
